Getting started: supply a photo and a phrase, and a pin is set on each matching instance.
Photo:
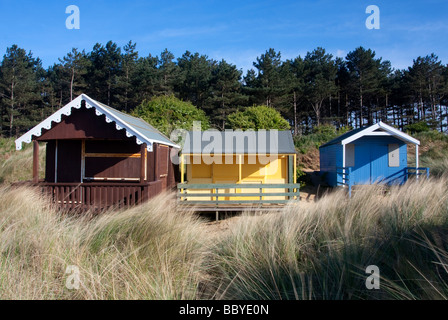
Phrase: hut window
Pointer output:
(111, 160)
(394, 155)
(350, 155)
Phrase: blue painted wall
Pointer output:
(371, 161)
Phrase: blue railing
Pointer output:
(347, 179)
(412, 171)
(345, 172)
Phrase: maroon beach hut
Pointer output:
(98, 157)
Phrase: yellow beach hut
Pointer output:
(231, 168)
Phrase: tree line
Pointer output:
(317, 88)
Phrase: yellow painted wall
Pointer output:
(275, 171)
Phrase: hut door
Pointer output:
(68, 161)
(371, 159)
(378, 163)
(361, 170)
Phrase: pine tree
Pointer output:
(365, 80)
(20, 78)
(343, 110)
(268, 82)
(194, 81)
(104, 70)
(74, 64)
(168, 72)
(293, 78)
(226, 88)
(146, 78)
(320, 76)
(427, 84)
(125, 94)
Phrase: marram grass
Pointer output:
(322, 251)
(148, 252)
(305, 251)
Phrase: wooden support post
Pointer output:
(295, 173)
(295, 168)
(142, 162)
(416, 161)
(182, 168)
(290, 160)
(156, 161)
(83, 170)
(35, 161)
(56, 162)
(83, 159)
(146, 163)
(182, 173)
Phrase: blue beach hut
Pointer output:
(368, 155)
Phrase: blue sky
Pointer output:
(237, 31)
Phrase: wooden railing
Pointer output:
(99, 196)
(235, 194)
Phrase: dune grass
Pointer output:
(322, 251)
(147, 252)
(317, 251)
(305, 251)
(433, 152)
(18, 165)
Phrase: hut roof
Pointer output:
(140, 129)
(378, 129)
(239, 142)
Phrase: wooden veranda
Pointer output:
(99, 158)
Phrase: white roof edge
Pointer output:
(120, 124)
(395, 132)
(99, 110)
(46, 124)
(398, 133)
(360, 134)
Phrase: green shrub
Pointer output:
(417, 127)
(167, 113)
(301, 176)
(430, 136)
(256, 118)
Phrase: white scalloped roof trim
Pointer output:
(99, 111)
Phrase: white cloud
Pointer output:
(340, 53)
